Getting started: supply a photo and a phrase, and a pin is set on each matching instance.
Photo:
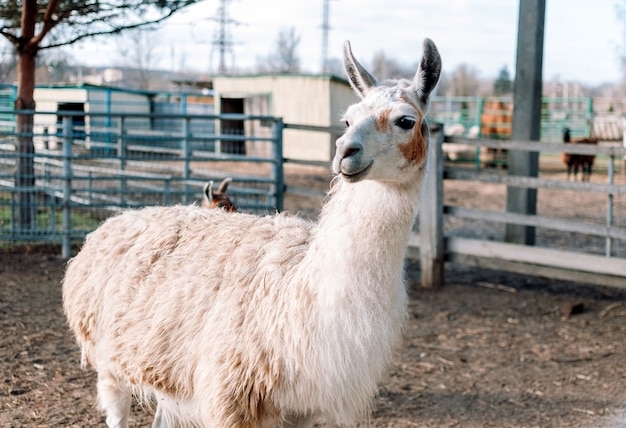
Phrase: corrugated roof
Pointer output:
(608, 127)
(91, 86)
(331, 77)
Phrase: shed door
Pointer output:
(232, 127)
(78, 122)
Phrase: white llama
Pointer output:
(233, 320)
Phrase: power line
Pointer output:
(222, 40)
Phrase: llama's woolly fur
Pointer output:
(268, 329)
(238, 321)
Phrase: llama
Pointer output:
(234, 320)
(218, 198)
(575, 161)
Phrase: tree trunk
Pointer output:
(25, 170)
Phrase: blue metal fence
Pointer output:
(85, 170)
(473, 116)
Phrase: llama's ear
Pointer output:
(224, 185)
(360, 80)
(208, 190)
(428, 73)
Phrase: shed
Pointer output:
(90, 99)
(302, 99)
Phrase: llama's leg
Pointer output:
(587, 171)
(160, 420)
(583, 172)
(301, 421)
(570, 169)
(115, 400)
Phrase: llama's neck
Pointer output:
(362, 236)
(353, 271)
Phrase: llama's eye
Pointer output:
(405, 123)
(347, 124)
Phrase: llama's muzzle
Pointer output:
(349, 162)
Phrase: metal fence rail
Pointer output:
(84, 173)
(491, 117)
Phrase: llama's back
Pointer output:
(145, 310)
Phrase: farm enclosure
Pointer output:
(489, 349)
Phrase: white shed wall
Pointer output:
(120, 103)
(47, 100)
(298, 99)
(95, 100)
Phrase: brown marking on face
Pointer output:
(414, 150)
(225, 204)
(382, 120)
(219, 202)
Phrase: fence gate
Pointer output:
(87, 166)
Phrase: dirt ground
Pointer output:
(489, 349)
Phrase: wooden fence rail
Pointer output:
(435, 248)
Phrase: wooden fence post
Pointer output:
(431, 213)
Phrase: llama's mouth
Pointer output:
(352, 177)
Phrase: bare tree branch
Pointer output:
(115, 30)
(26, 23)
(48, 23)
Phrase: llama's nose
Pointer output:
(351, 149)
(348, 156)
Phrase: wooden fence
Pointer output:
(436, 247)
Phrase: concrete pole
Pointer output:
(526, 115)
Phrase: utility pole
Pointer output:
(526, 116)
(325, 30)
(222, 40)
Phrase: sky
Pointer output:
(582, 40)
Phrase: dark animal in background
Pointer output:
(218, 198)
(574, 162)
